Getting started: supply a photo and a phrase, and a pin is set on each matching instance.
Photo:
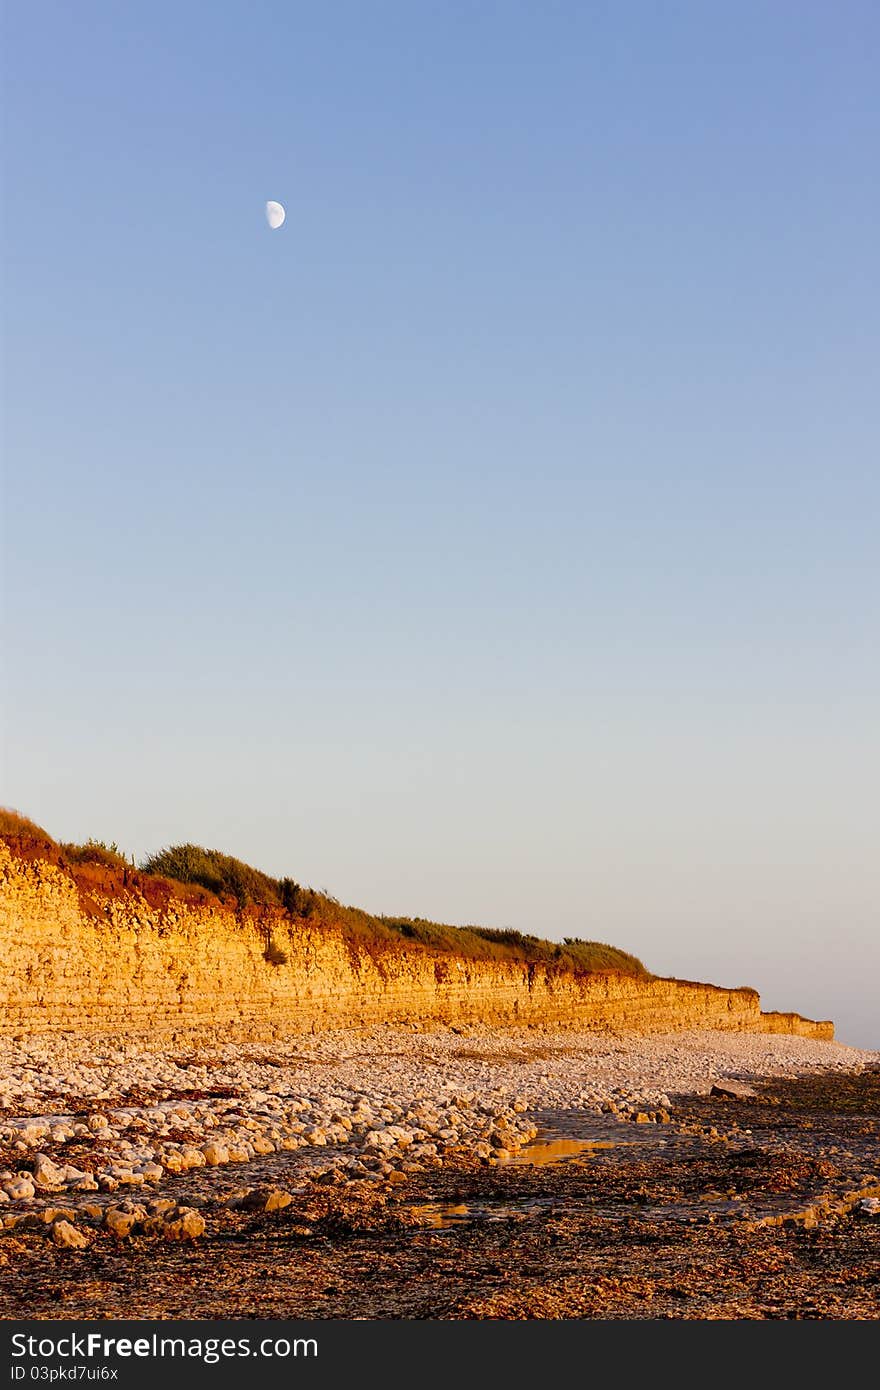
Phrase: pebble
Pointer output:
(395, 1102)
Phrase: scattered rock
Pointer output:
(188, 1225)
(121, 1223)
(160, 1206)
(49, 1215)
(20, 1189)
(68, 1237)
(47, 1174)
(277, 1199)
(733, 1090)
(215, 1154)
(261, 1199)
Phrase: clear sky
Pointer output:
(497, 540)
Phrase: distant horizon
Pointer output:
(498, 535)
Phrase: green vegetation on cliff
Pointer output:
(251, 891)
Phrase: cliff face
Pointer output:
(113, 962)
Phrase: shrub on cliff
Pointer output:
(97, 852)
(219, 873)
(274, 953)
(298, 901)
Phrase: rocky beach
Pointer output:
(466, 1172)
(224, 1096)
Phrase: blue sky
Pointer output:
(496, 541)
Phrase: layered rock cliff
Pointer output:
(114, 961)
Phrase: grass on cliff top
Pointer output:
(228, 877)
(231, 879)
(491, 943)
(16, 826)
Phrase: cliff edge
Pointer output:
(119, 955)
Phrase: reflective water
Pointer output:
(551, 1146)
(553, 1150)
(441, 1215)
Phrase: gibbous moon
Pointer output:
(275, 215)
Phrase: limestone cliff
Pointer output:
(116, 961)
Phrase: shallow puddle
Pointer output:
(553, 1150)
(442, 1215)
(549, 1148)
